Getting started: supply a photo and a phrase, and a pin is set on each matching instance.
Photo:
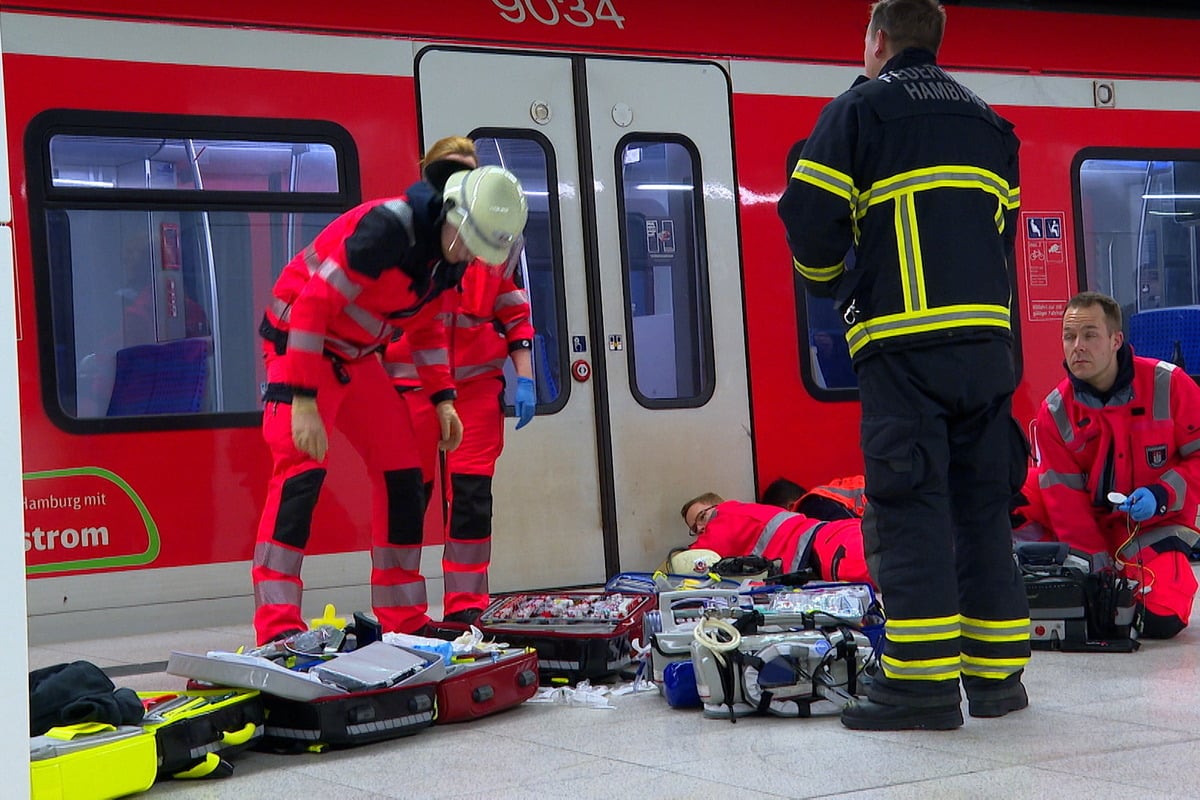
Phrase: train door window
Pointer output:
(157, 242)
(1139, 223)
(824, 353)
(665, 272)
(539, 270)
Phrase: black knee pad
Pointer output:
(297, 499)
(1160, 626)
(406, 506)
(471, 513)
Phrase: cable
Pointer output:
(723, 638)
(1135, 529)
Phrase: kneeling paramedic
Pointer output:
(1118, 425)
(371, 271)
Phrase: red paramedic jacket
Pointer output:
(1146, 434)
(371, 271)
(488, 319)
(752, 529)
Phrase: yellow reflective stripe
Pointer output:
(924, 622)
(827, 178)
(819, 274)
(995, 624)
(922, 629)
(924, 637)
(998, 668)
(942, 318)
(1000, 217)
(991, 630)
(932, 669)
(946, 176)
(908, 245)
(1014, 198)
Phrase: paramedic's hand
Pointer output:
(452, 427)
(526, 402)
(1140, 505)
(308, 432)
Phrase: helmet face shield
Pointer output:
(487, 208)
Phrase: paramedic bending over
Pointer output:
(374, 268)
(489, 321)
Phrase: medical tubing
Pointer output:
(708, 632)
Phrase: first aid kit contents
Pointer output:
(315, 696)
(577, 635)
(850, 601)
(655, 582)
(400, 700)
(562, 608)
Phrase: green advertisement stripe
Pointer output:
(153, 543)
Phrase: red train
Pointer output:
(165, 161)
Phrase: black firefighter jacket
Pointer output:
(919, 176)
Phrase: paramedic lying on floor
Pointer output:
(731, 528)
(1129, 425)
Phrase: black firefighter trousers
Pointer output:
(943, 456)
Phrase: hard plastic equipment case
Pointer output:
(196, 731)
(91, 761)
(473, 690)
(354, 718)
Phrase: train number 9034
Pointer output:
(552, 12)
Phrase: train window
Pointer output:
(665, 272)
(156, 254)
(540, 269)
(183, 164)
(824, 353)
(1139, 223)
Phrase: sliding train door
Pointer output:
(632, 267)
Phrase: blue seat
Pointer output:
(167, 378)
(1154, 333)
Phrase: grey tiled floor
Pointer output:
(1099, 726)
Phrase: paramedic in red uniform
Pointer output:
(1122, 423)
(731, 528)
(374, 269)
(920, 177)
(488, 321)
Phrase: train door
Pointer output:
(631, 263)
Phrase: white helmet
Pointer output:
(693, 561)
(487, 207)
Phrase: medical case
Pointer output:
(197, 731)
(1075, 606)
(577, 635)
(357, 717)
(488, 684)
(91, 761)
(670, 627)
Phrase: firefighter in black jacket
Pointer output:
(919, 177)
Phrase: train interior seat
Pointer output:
(1164, 332)
(166, 378)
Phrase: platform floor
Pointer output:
(1099, 726)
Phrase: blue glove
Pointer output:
(1140, 505)
(526, 402)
